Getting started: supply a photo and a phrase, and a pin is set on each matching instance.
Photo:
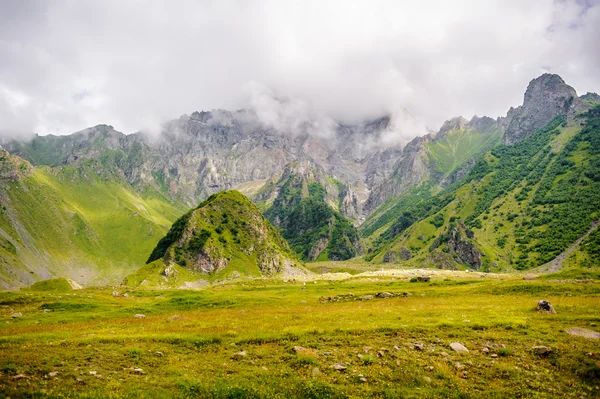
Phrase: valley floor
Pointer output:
(276, 339)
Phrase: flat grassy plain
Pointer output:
(88, 344)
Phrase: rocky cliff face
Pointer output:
(546, 97)
(457, 242)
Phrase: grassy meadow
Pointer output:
(281, 339)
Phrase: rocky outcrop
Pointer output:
(13, 168)
(412, 168)
(395, 256)
(546, 97)
(457, 242)
(591, 98)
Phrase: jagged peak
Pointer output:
(590, 96)
(456, 123)
(547, 83)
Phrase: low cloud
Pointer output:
(302, 66)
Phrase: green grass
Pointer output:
(54, 284)
(453, 150)
(187, 342)
(90, 227)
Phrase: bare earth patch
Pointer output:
(582, 332)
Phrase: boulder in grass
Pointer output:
(458, 347)
(544, 306)
(541, 350)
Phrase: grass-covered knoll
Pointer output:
(526, 203)
(307, 216)
(54, 284)
(269, 339)
(77, 223)
(225, 236)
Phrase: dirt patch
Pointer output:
(582, 332)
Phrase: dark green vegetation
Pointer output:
(225, 236)
(526, 203)
(268, 339)
(314, 229)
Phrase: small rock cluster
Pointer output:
(352, 297)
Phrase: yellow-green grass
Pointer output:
(92, 229)
(458, 146)
(198, 334)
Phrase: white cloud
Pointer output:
(132, 64)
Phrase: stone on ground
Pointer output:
(458, 347)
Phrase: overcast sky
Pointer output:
(67, 65)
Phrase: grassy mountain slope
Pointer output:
(525, 203)
(304, 207)
(450, 155)
(73, 222)
(459, 145)
(225, 236)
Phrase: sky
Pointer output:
(67, 65)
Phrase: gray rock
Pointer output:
(116, 294)
(316, 372)
(384, 295)
(299, 349)
(16, 315)
(138, 371)
(240, 355)
(339, 367)
(458, 347)
(544, 306)
(546, 97)
(53, 374)
(139, 316)
(418, 347)
(541, 350)
(366, 297)
(583, 332)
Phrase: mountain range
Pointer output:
(482, 193)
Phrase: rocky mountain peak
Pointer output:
(591, 97)
(546, 97)
(482, 124)
(456, 123)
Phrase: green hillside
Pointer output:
(82, 223)
(308, 220)
(459, 145)
(525, 204)
(225, 236)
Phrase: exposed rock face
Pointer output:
(591, 97)
(394, 256)
(13, 168)
(457, 123)
(411, 168)
(546, 97)
(457, 242)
